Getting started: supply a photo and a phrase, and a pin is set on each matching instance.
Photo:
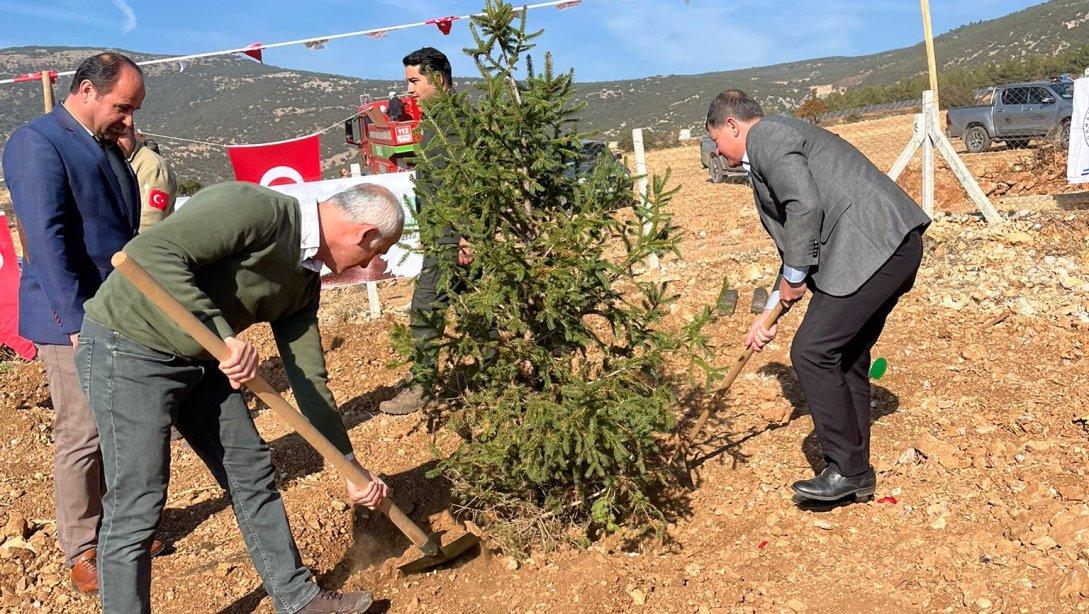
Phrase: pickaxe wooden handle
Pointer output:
(769, 320)
(162, 299)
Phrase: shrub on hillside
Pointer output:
(189, 187)
(812, 109)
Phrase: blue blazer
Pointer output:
(70, 204)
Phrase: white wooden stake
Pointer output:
(945, 148)
(934, 137)
(373, 301)
(642, 184)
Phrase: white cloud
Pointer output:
(130, 17)
(71, 12)
(52, 13)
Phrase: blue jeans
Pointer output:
(136, 393)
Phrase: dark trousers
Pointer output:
(135, 394)
(427, 314)
(831, 355)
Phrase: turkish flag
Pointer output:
(158, 199)
(9, 295)
(281, 163)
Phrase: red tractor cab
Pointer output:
(386, 133)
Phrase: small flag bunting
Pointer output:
(254, 51)
(444, 24)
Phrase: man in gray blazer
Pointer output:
(849, 234)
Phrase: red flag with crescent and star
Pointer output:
(158, 199)
(280, 163)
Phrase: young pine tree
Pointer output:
(561, 367)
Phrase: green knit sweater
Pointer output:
(231, 256)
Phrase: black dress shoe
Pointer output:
(830, 485)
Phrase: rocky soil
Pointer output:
(980, 439)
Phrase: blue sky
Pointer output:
(601, 39)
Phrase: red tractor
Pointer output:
(386, 133)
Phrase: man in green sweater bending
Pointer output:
(236, 254)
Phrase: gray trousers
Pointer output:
(77, 463)
(136, 393)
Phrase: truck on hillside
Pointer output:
(1015, 114)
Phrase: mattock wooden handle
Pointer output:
(211, 342)
(770, 320)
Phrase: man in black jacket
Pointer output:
(427, 73)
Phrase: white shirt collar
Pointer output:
(80, 123)
(745, 162)
(309, 234)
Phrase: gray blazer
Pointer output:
(825, 204)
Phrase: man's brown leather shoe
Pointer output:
(85, 573)
(85, 570)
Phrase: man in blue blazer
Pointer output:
(79, 203)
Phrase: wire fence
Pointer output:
(858, 113)
(1015, 174)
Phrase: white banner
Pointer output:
(1077, 164)
(401, 261)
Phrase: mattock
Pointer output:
(770, 320)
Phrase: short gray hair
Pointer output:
(370, 203)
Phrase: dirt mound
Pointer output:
(1041, 170)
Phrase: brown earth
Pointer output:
(980, 440)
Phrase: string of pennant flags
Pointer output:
(303, 149)
(256, 50)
